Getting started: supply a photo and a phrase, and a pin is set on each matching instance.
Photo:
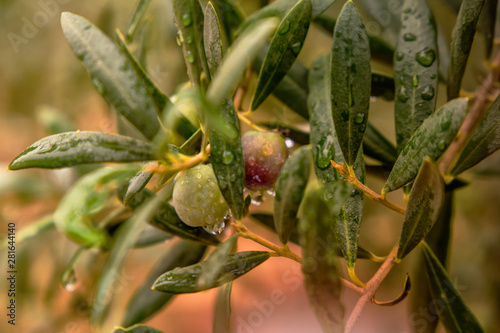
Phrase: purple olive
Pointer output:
(264, 154)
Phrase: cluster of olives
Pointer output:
(196, 196)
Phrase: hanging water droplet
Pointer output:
(415, 80)
(289, 143)
(362, 128)
(285, 27)
(409, 37)
(403, 95)
(271, 192)
(359, 119)
(428, 93)
(442, 145)
(296, 47)
(99, 86)
(426, 57)
(446, 123)
(325, 152)
(187, 20)
(227, 217)
(399, 56)
(227, 157)
(190, 57)
(257, 198)
(189, 39)
(69, 279)
(215, 229)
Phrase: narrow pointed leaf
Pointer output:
(322, 134)
(424, 205)
(159, 98)
(137, 184)
(244, 50)
(212, 39)
(189, 22)
(185, 280)
(231, 17)
(430, 139)
(284, 49)
(112, 73)
(279, 9)
(151, 236)
(378, 147)
(141, 9)
(484, 142)
(350, 81)
(215, 263)
(126, 237)
(461, 43)
(486, 24)
(227, 161)
(222, 314)
(455, 314)
(416, 69)
(166, 219)
(87, 197)
(74, 148)
(146, 302)
(290, 188)
(321, 274)
(137, 329)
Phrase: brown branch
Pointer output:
(472, 119)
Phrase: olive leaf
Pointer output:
(166, 219)
(137, 329)
(185, 280)
(430, 139)
(455, 314)
(321, 274)
(151, 236)
(139, 13)
(112, 73)
(87, 197)
(160, 99)
(284, 49)
(222, 313)
(416, 69)
(350, 81)
(137, 183)
(126, 237)
(214, 263)
(290, 187)
(486, 24)
(227, 161)
(231, 17)
(74, 148)
(146, 302)
(189, 22)
(461, 43)
(484, 142)
(212, 39)
(424, 205)
(244, 50)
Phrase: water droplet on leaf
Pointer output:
(415, 80)
(285, 27)
(442, 145)
(426, 57)
(187, 20)
(99, 86)
(227, 157)
(296, 47)
(403, 95)
(409, 37)
(428, 93)
(445, 124)
(359, 119)
(190, 57)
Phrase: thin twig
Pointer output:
(472, 119)
(366, 190)
(250, 123)
(371, 287)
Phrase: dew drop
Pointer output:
(99, 86)
(222, 183)
(409, 37)
(285, 27)
(426, 57)
(289, 143)
(362, 128)
(296, 47)
(190, 57)
(359, 119)
(433, 76)
(227, 157)
(227, 217)
(442, 145)
(403, 95)
(189, 39)
(232, 178)
(257, 198)
(69, 279)
(178, 38)
(198, 175)
(325, 152)
(428, 93)
(215, 229)
(271, 192)
(187, 20)
(445, 124)
(400, 56)
(415, 80)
